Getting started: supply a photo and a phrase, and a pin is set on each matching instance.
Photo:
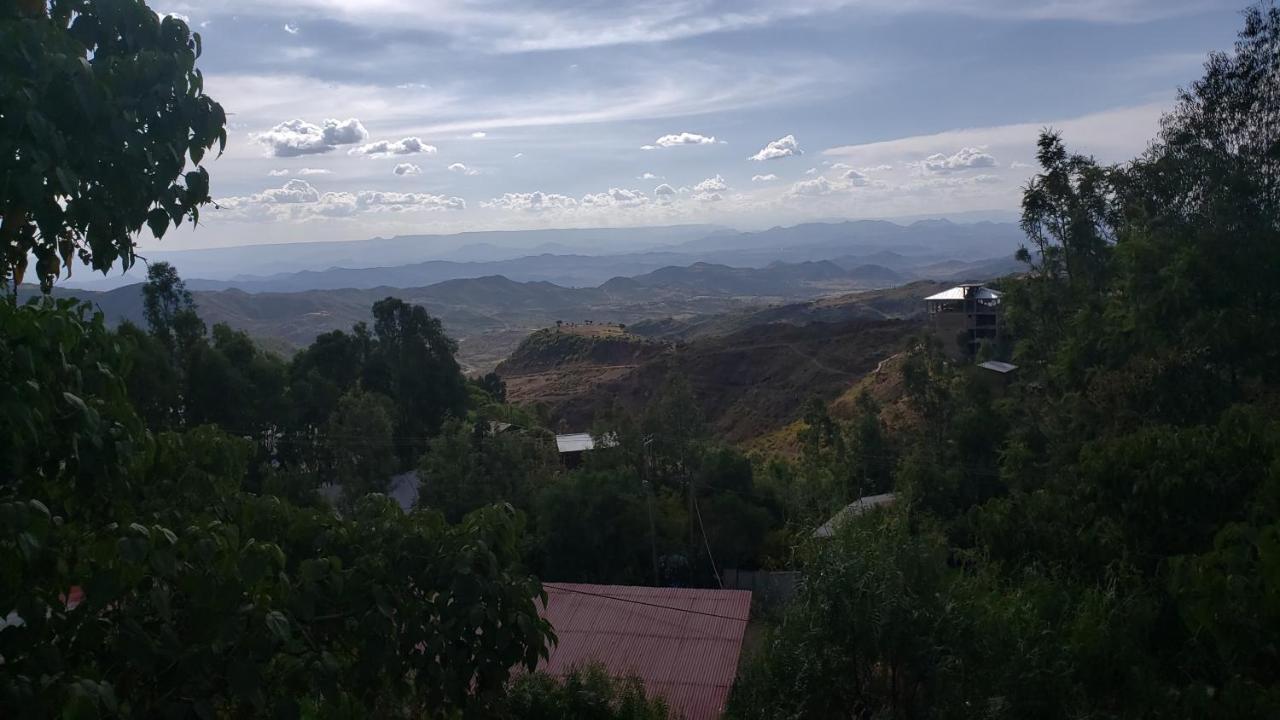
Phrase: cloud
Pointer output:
(479, 134)
(387, 148)
(407, 169)
(664, 193)
(813, 188)
(710, 185)
(684, 138)
(854, 178)
(284, 172)
(299, 200)
(764, 178)
(291, 28)
(615, 197)
(785, 146)
(877, 168)
(967, 158)
(294, 191)
(531, 202)
(649, 176)
(811, 171)
(1015, 165)
(299, 137)
(837, 166)
(460, 168)
(517, 156)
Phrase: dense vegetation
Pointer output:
(1103, 540)
(190, 525)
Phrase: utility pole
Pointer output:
(649, 491)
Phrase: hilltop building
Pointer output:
(573, 446)
(964, 318)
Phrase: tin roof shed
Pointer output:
(682, 643)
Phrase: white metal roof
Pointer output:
(574, 442)
(997, 366)
(853, 510)
(957, 293)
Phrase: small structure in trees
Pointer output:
(682, 643)
(964, 318)
(853, 510)
(572, 446)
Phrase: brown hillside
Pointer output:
(751, 382)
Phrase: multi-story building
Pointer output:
(964, 318)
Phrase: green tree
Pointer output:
(467, 466)
(149, 583)
(588, 692)
(412, 362)
(360, 435)
(103, 109)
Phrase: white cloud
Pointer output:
(532, 202)
(525, 27)
(710, 185)
(299, 137)
(664, 193)
(284, 172)
(853, 177)
(877, 168)
(1112, 136)
(387, 148)
(813, 188)
(460, 168)
(407, 169)
(298, 200)
(1015, 165)
(294, 191)
(967, 158)
(764, 178)
(615, 197)
(291, 28)
(649, 176)
(517, 156)
(785, 146)
(837, 166)
(479, 134)
(811, 171)
(684, 138)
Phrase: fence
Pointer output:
(768, 588)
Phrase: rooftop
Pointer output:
(852, 510)
(997, 366)
(975, 292)
(682, 643)
(575, 442)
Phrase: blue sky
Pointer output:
(380, 117)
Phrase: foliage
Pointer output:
(468, 466)
(586, 694)
(359, 435)
(1101, 542)
(101, 108)
(197, 598)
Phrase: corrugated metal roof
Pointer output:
(682, 643)
(852, 510)
(958, 293)
(574, 442)
(997, 366)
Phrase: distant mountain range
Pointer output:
(583, 258)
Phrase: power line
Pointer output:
(705, 543)
(641, 602)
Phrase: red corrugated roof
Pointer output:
(682, 643)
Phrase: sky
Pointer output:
(354, 119)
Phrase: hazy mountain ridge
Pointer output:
(579, 258)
